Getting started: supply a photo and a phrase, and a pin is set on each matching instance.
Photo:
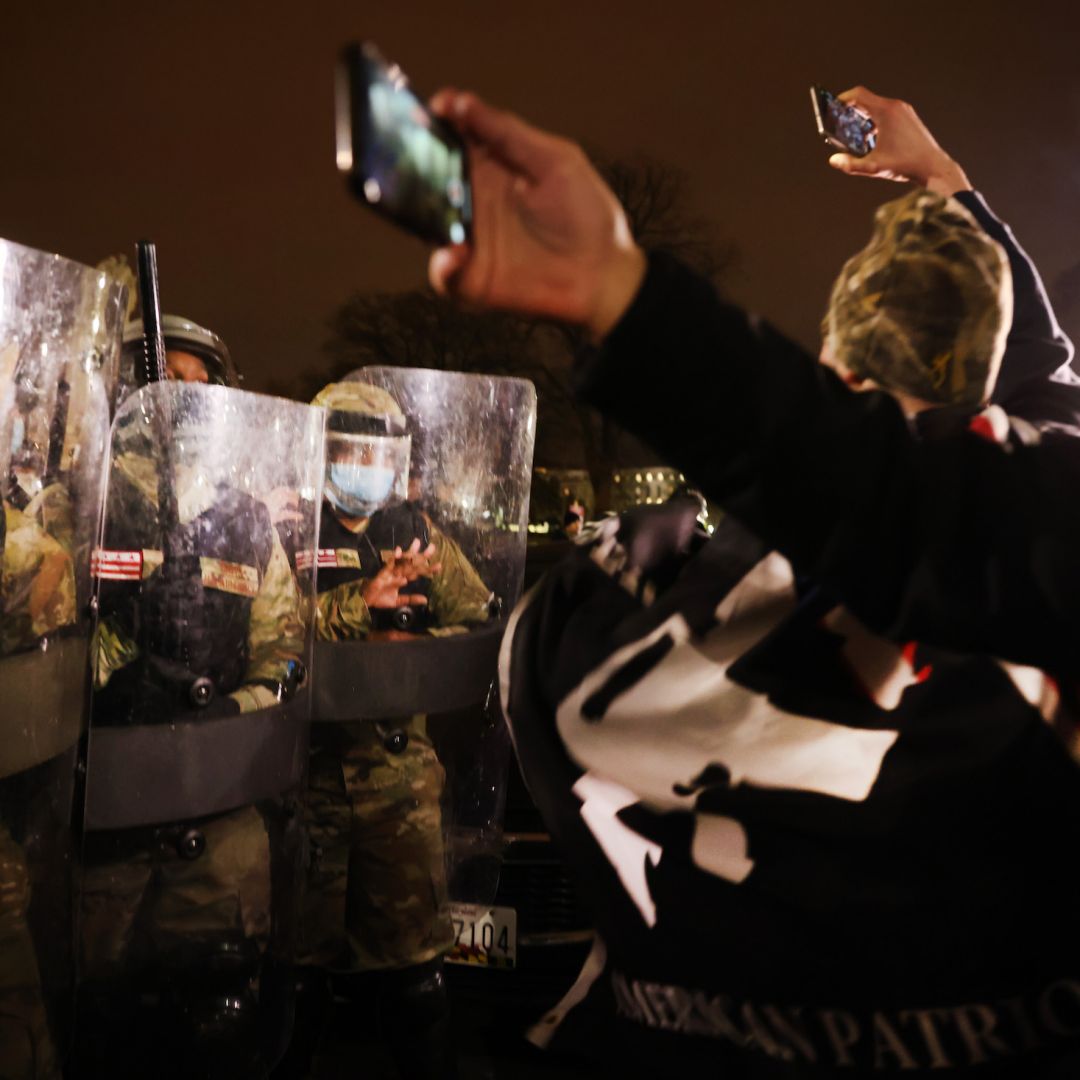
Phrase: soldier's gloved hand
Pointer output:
(653, 536)
(414, 563)
(384, 589)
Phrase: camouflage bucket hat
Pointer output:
(925, 307)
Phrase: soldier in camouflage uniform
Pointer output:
(192, 352)
(38, 597)
(59, 331)
(376, 897)
(180, 914)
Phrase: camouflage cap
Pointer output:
(361, 399)
(925, 307)
(358, 397)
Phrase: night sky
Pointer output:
(211, 133)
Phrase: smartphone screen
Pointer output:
(842, 125)
(401, 160)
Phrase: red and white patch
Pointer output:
(116, 565)
(338, 559)
(305, 560)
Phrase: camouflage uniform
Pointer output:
(376, 888)
(912, 314)
(38, 576)
(38, 597)
(146, 904)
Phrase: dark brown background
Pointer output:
(210, 131)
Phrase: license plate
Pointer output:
(483, 935)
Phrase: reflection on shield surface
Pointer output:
(59, 340)
(198, 731)
(421, 558)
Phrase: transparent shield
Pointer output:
(413, 598)
(198, 726)
(59, 339)
(471, 467)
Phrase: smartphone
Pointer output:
(398, 158)
(840, 125)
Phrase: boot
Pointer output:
(414, 1020)
(313, 1002)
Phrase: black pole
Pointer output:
(153, 361)
(152, 370)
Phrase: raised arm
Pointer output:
(1036, 381)
(959, 542)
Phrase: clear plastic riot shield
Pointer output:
(60, 325)
(198, 732)
(421, 558)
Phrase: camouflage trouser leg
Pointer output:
(26, 1047)
(154, 903)
(376, 895)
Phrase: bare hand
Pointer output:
(905, 148)
(549, 237)
(383, 590)
(414, 563)
(283, 504)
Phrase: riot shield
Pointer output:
(421, 558)
(198, 731)
(60, 326)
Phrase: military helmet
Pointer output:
(925, 307)
(181, 335)
(368, 447)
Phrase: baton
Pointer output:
(153, 353)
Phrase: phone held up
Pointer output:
(840, 125)
(398, 158)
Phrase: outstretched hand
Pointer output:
(905, 148)
(414, 563)
(407, 565)
(549, 236)
(383, 591)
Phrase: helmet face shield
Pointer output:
(366, 471)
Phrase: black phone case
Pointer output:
(357, 62)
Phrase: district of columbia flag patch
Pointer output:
(339, 559)
(116, 565)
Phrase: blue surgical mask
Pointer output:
(359, 488)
